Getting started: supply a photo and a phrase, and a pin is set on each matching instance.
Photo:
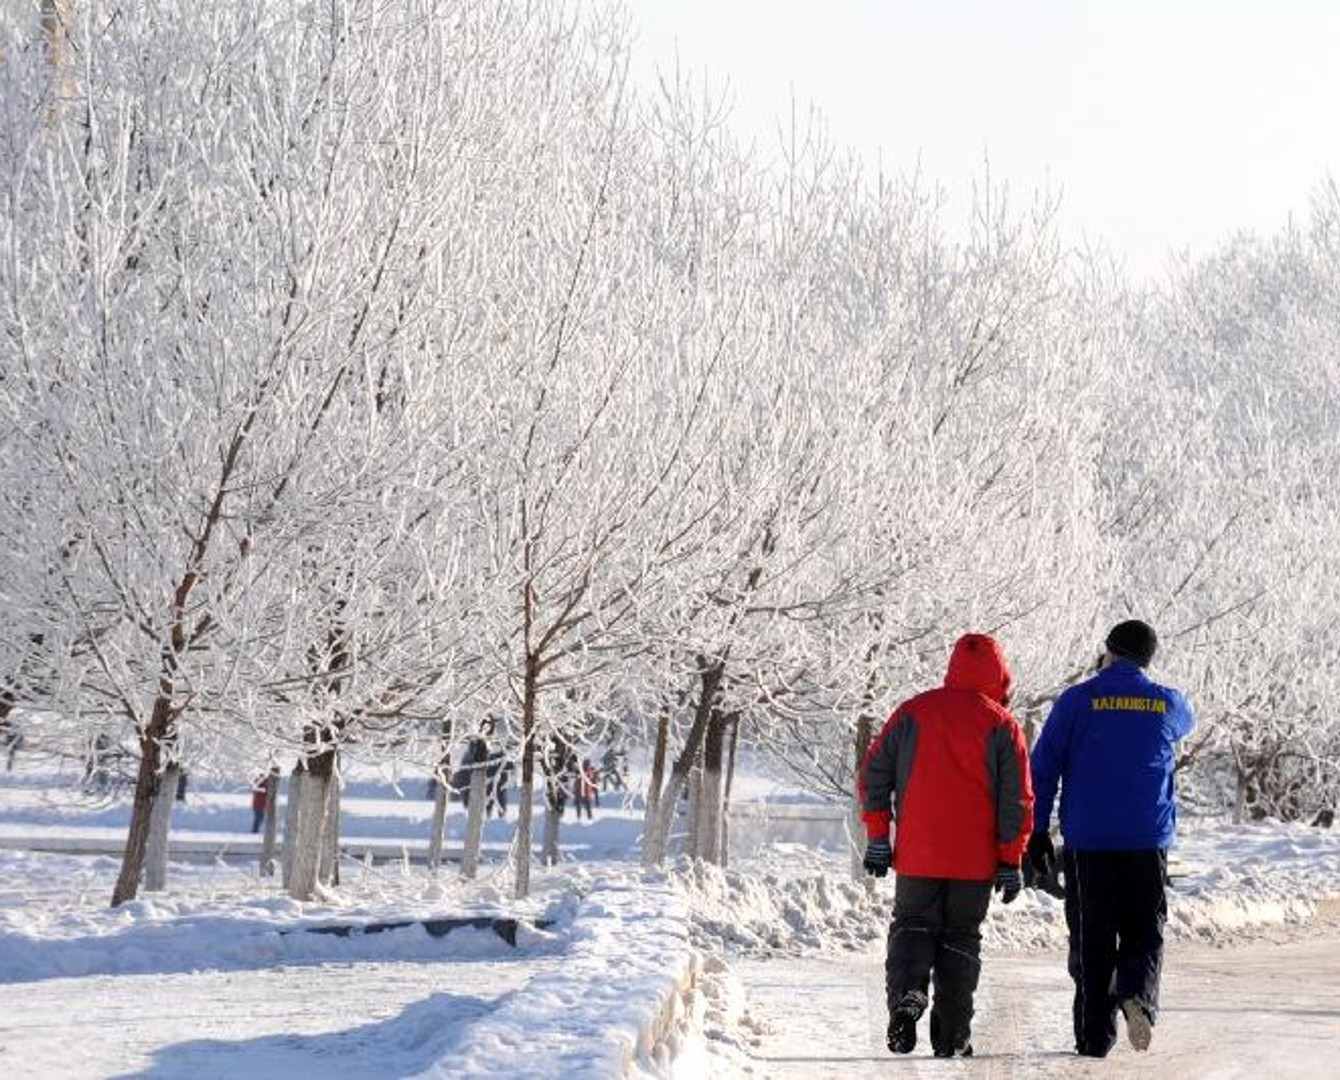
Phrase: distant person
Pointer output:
(182, 781)
(951, 771)
(589, 782)
(260, 796)
(1110, 743)
(580, 783)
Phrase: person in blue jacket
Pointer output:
(1110, 744)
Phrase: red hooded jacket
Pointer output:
(952, 766)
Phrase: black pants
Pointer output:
(937, 927)
(1115, 908)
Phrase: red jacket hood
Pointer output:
(978, 663)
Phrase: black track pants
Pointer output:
(937, 928)
(1115, 908)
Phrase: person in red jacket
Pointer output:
(951, 769)
(260, 795)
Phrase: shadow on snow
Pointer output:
(423, 1032)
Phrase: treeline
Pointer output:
(375, 375)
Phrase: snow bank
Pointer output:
(789, 899)
(608, 990)
(724, 1033)
(616, 1006)
(1229, 881)
(54, 921)
(1240, 879)
(223, 943)
(764, 910)
(166, 934)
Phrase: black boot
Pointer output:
(903, 1022)
(943, 1047)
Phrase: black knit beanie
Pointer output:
(1133, 640)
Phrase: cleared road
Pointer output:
(1254, 1010)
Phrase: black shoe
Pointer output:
(943, 1049)
(947, 1052)
(1139, 1024)
(903, 1022)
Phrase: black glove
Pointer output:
(1041, 855)
(1009, 882)
(878, 857)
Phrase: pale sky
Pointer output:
(1164, 124)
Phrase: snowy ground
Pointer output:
(334, 1019)
(224, 976)
(1252, 983)
(219, 976)
(1258, 1009)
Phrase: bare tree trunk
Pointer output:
(474, 820)
(439, 826)
(525, 810)
(694, 811)
(160, 821)
(549, 845)
(292, 819)
(860, 743)
(441, 795)
(310, 846)
(328, 865)
(657, 766)
(333, 823)
(724, 859)
(271, 824)
(711, 789)
(307, 847)
(148, 782)
(658, 830)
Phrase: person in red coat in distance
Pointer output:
(951, 769)
(260, 795)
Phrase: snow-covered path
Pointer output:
(364, 1020)
(1253, 1010)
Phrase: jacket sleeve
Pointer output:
(1048, 761)
(1012, 786)
(884, 771)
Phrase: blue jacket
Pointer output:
(1109, 742)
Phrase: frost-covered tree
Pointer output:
(217, 293)
(378, 379)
